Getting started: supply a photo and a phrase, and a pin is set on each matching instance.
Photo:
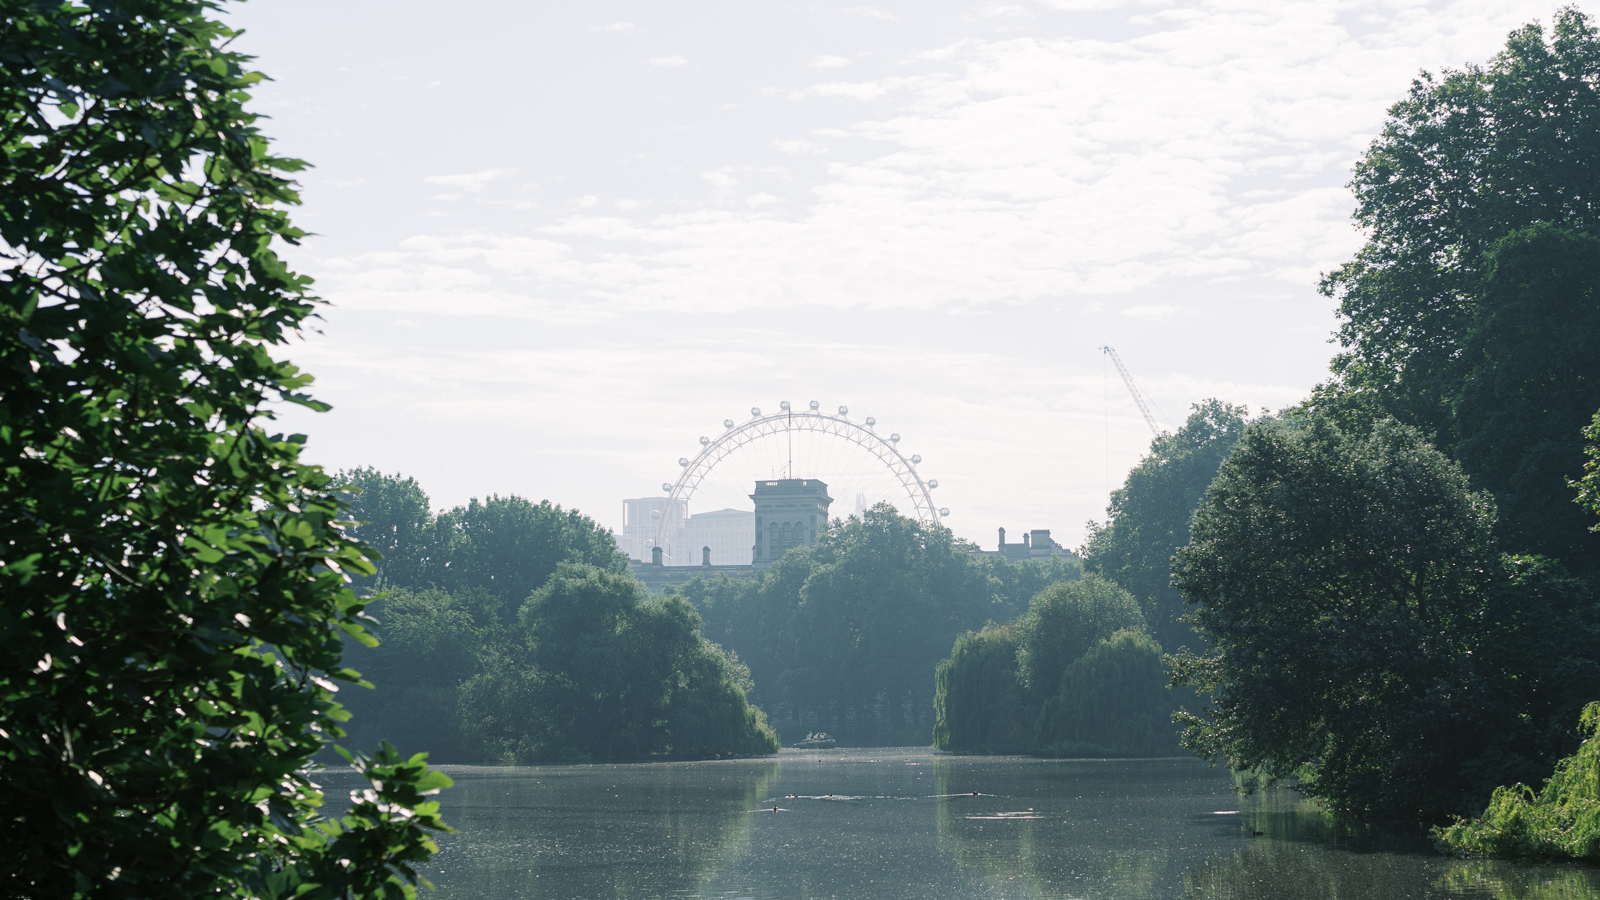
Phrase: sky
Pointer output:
(561, 242)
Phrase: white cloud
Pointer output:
(472, 181)
(1211, 149)
(1153, 313)
(870, 12)
(864, 90)
(829, 62)
(613, 28)
(668, 62)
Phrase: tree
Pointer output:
(1340, 579)
(509, 547)
(432, 643)
(978, 698)
(1112, 701)
(1148, 519)
(884, 598)
(1062, 623)
(1562, 819)
(1532, 386)
(172, 596)
(393, 518)
(601, 671)
(1467, 313)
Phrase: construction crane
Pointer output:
(1132, 389)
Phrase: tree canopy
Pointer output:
(577, 667)
(1076, 675)
(845, 635)
(1469, 310)
(173, 598)
(598, 670)
(1362, 622)
(1148, 517)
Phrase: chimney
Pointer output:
(705, 556)
(1002, 539)
(655, 556)
(1025, 539)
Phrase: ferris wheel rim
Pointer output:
(714, 450)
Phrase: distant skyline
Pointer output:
(565, 240)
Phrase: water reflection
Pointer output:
(612, 831)
(1290, 848)
(889, 824)
(1516, 881)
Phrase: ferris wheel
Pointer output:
(832, 446)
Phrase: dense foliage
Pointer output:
(172, 588)
(1112, 701)
(1148, 517)
(599, 670)
(1063, 622)
(477, 666)
(505, 547)
(1397, 587)
(843, 636)
(1471, 310)
(1362, 622)
(1562, 819)
(1074, 676)
(979, 702)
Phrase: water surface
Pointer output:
(906, 824)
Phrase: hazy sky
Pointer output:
(563, 241)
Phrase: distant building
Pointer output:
(1036, 544)
(789, 512)
(730, 533)
(657, 575)
(641, 522)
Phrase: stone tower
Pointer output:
(789, 513)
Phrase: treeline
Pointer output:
(844, 636)
(511, 631)
(1081, 671)
(1397, 587)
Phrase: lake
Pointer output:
(906, 823)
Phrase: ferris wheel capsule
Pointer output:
(683, 461)
(727, 423)
(871, 421)
(916, 458)
(844, 410)
(666, 486)
(944, 510)
(815, 406)
(784, 406)
(933, 484)
(704, 440)
(894, 438)
(755, 411)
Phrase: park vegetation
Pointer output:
(512, 632)
(174, 599)
(1081, 672)
(844, 636)
(1394, 589)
